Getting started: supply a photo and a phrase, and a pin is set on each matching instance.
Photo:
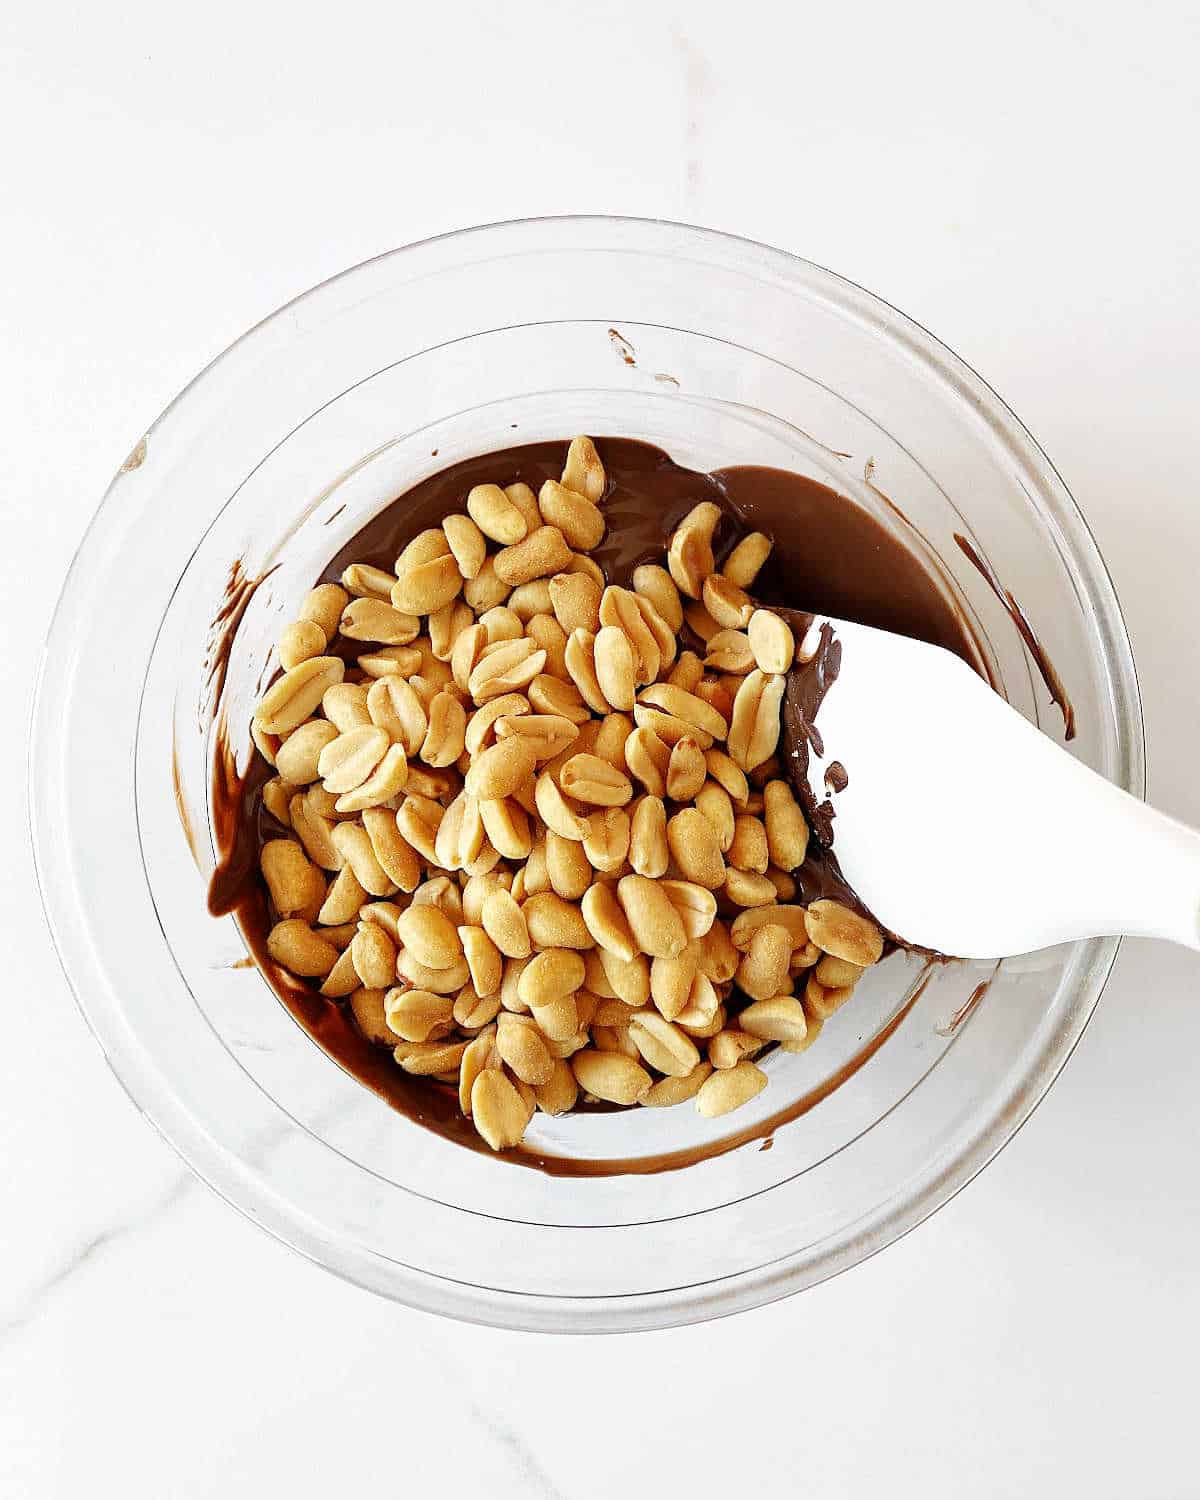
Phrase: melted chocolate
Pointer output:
(1041, 660)
(829, 555)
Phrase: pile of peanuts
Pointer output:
(560, 847)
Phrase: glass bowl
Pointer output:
(721, 351)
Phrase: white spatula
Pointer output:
(966, 830)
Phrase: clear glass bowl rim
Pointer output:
(1048, 495)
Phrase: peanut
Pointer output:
(606, 841)
(368, 1011)
(754, 731)
(649, 851)
(369, 619)
(505, 924)
(583, 471)
(295, 884)
(730, 1088)
(695, 906)
(575, 599)
(550, 975)
(430, 936)
(446, 736)
(624, 610)
(690, 553)
(466, 542)
(771, 640)
(748, 848)
(394, 855)
(343, 901)
(558, 1095)
(655, 583)
(730, 651)
(628, 979)
(323, 606)
(522, 1047)
(555, 923)
(348, 760)
(426, 587)
(607, 923)
(498, 1110)
(385, 782)
(744, 562)
(526, 502)
(763, 971)
(352, 842)
(686, 770)
(494, 513)
(787, 830)
(669, 1091)
(393, 705)
(611, 1076)
(779, 1018)
(485, 590)
(730, 606)
(296, 695)
(667, 1049)
(505, 668)
(575, 516)
(590, 779)
(656, 925)
(543, 551)
(506, 824)
(373, 956)
(844, 933)
(748, 922)
(649, 759)
(297, 947)
(300, 641)
(695, 850)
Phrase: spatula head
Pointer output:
(961, 827)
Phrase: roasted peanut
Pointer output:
(295, 884)
(743, 564)
(543, 552)
(669, 1091)
(611, 1076)
(297, 947)
(498, 1109)
(730, 1088)
(754, 730)
(690, 554)
(607, 923)
(686, 770)
(555, 923)
(430, 936)
(655, 583)
(504, 923)
(575, 516)
(296, 695)
(466, 542)
(730, 606)
(494, 513)
(787, 830)
(567, 865)
(583, 471)
(695, 849)
(323, 606)
(575, 599)
(649, 851)
(844, 933)
(656, 925)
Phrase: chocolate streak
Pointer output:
(828, 553)
(1047, 669)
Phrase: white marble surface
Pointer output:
(1016, 177)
